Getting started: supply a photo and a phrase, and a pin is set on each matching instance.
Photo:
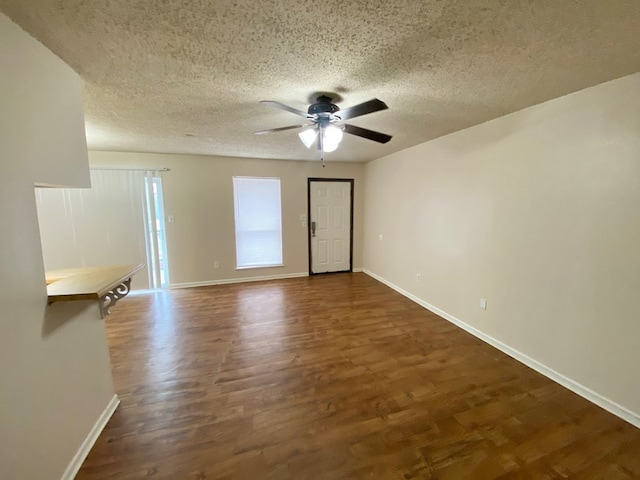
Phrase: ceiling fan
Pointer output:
(326, 124)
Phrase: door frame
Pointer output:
(317, 179)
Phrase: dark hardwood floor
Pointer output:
(334, 377)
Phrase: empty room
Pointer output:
(319, 240)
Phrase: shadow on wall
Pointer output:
(58, 314)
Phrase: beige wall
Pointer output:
(537, 212)
(198, 192)
(56, 378)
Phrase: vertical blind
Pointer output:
(258, 221)
(100, 226)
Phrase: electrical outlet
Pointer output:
(483, 303)
(216, 264)
(171, 219)
(418, 277)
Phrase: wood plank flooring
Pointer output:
(334, 377)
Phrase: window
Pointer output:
(258, 222)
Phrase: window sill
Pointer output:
(251, 267)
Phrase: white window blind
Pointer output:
(258, 222)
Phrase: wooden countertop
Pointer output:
(86, 283)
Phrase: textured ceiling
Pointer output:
(155, 71)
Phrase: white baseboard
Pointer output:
(594, 397)
(357, 270)
(225, 281)
(87, 444)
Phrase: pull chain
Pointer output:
(321, 144)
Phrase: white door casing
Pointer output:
(330, 225)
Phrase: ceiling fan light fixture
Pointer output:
(329, 146)
(308, 136)
(331, 137)
(333, 134)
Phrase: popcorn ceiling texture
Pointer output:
(157, 70)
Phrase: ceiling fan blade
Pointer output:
(366, 133)
(371, 106)
(279, 129)
(282, 106)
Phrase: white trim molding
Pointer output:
(225, 281)
(357, 270)
(612, 407)
(88, 443)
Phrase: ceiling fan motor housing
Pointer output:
(323, 105)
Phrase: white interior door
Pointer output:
(330, 225)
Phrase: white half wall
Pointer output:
(198, 194)
(56, 377)
(536, 212)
